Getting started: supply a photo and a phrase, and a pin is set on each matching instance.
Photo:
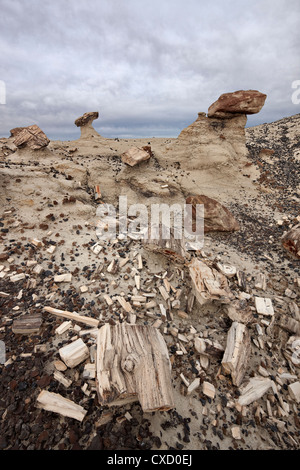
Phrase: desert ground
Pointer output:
(48, 227)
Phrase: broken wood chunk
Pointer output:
(72, 316)
(65, 326)
(294, 391)
(74, 353)
(17, 277)
(162, 240)
(289, 324)
(239, 311)
(208, 389)
(27, 324)
(124, 304)
(254, 389)
(133, 364)
(56, 403)
(136, 155)
(62, 379)
(264, 306)
(227, 270)
(193, 386)
(292, 350)
(63, 277)
(208, 284)
(237, 352)
(261, 282)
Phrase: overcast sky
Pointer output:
(147, 66)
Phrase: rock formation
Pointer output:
(239, 102)
(31, 136)
(219, 138)
(85, 124)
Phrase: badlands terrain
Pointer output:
(49, 198)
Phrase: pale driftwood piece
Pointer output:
(74, 353)
(27, 324)
(237, 352)
(133, 364)
(254, 389)
(56, 403)
(170, 247)
(72, 316)
(289, 324)
(208, 284)
(240, 311)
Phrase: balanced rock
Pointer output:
(31, 136)
(291, 241)
(238, 102)
(85, 124)
(136, 155)
(86, 118)
(217, 218)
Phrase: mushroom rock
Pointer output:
(217, 218)
(85, 124)
(239, 102)
(31, 136)
(218, 138)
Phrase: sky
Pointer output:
(147, 66)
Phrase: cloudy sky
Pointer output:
(147, 66)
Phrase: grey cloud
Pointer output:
(143, 64)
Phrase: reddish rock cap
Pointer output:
(239, 102)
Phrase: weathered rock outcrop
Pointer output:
(238, 102)
(31, 136)
(85, 124)
(219, 138)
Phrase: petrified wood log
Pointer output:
(208, 283)
(31, 136)
(133, 364)
(237, 352)
(171, 247)
(291, 241)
